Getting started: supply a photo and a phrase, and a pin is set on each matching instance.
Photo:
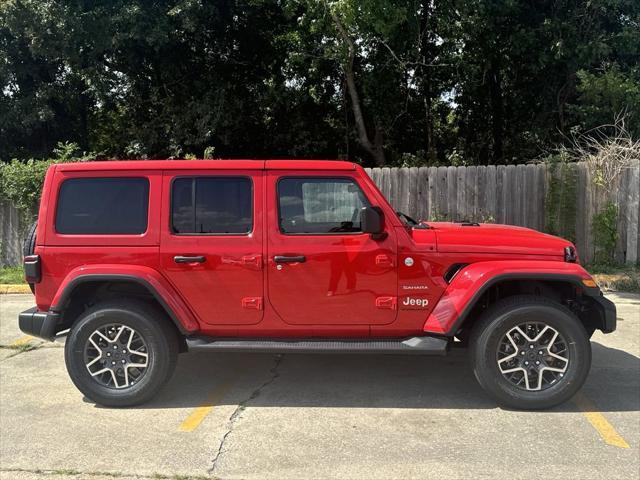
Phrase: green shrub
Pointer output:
(21, 181)
(605, 233)
(209, 152)
(560, 201)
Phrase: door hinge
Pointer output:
(252, 303)
(386, 302)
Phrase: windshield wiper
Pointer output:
(411, 222)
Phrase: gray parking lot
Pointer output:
(316, 416)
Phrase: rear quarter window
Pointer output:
(103, 206)
(211, 206)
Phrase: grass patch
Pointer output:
(22, 348)
(11, 275)
(622, 278)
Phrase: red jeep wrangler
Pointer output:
(140, 260)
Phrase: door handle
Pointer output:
(191, 259)
(254, 261)
(289, 259)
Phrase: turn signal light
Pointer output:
(589, 282)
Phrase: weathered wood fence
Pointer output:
(516, 195)
(520, 195)
(12, 229)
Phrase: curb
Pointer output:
(7, 289)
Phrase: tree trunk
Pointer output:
(562, 97)
(425, 58)
(375, 149)
(497, 110)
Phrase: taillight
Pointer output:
(32, 269)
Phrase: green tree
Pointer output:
(382, 82)
(606, 93)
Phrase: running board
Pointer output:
(410, 345)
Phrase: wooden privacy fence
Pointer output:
(12, 229)
(520, 195)
(542, 196)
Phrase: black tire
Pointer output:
(29, 246)
(153, 327)
(492, 328)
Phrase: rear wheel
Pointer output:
(121, 353)
(530, 352)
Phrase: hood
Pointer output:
(492, 238)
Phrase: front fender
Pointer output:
(472, 281)
(151, 279)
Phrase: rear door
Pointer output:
(322, 270)
(211, 243)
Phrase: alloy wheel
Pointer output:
(116, 356)
(533, 356)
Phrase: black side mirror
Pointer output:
(371, 220)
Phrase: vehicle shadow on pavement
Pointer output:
(371, 381)
(614, 381)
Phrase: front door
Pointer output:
(211, 243)
(322, 270)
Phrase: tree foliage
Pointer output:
(21, 181)
(377, 81)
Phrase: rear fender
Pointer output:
(473, 280)
(149, 278)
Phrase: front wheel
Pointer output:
(121, 353)
(530, 352)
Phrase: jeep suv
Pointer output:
(136, 261)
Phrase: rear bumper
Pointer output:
(609, 313)
(39, 324)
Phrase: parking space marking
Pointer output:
(22, 341)
(199, 414)
(599, 422)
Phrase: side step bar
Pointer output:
(410, 345)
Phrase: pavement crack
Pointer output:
(68, 472)
(274, 373)
(27, 347)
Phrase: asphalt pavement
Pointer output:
(316, 416)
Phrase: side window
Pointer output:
(318, 205)
(103, 206)
(211, 205)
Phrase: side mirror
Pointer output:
(371, 220)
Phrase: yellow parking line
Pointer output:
(22, 341)
(601, 424)
(198, 415)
